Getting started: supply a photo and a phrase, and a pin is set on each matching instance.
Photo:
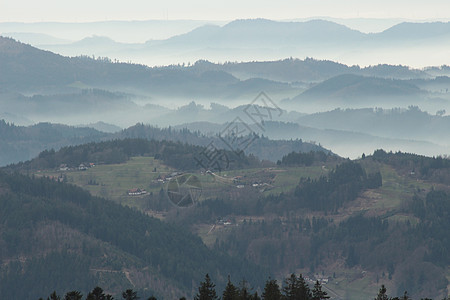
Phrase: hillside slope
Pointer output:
(350, 86)
(20, 143)
(55, 236)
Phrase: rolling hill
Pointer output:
(57, 237)
(351, 87)
(20, 143)
(349, 138)
(411, 123)
(416, 31)
(277, 204)
(308, 70)
(355, 223)
(264, 33)
(43, 72)
(85, 90)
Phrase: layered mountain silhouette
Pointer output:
(261, 39)
(43, 86)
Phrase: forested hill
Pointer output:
(55, 236)
(309, 69)
(32, 69)
(383, 218)
(356, 86)
(178, 155)
(45, 69)
(435, 169)
(261, 146)
(392, 223)
(21, 143)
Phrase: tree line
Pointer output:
(304, 158)
(429, 168)
(293, 288)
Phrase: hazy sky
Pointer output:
(97, 10)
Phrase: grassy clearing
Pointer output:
(113, 181)
(352, 284)
(390, 199)
(396, 188)
(210, 232)
(404, 218)
(287, 178)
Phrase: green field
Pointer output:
(397, 188)
(288, 178)
(113, 181)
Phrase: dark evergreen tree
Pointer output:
(54, 296)
(129, 294)
(406, 296)
(244, 291)
(97, 294)
(317, 293)
(296, 288)
(304, 291)
(382, 293)
(230, 292)
(73, 295)
(206, 290)
(255, 296)
(271, 290)
(290, 286)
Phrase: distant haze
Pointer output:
(84, 10)
(85, 90)
(159, 42)
(120, 31)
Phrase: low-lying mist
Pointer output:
(347, 132)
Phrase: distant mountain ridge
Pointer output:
(411, 123)
(119, 30)
(355, 86)
(43, 69)
(263, 32)
(41, 85)
(307, 70)
(262, 39)
(415, 31)
(257, 32)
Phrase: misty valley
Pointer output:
(213, 163)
